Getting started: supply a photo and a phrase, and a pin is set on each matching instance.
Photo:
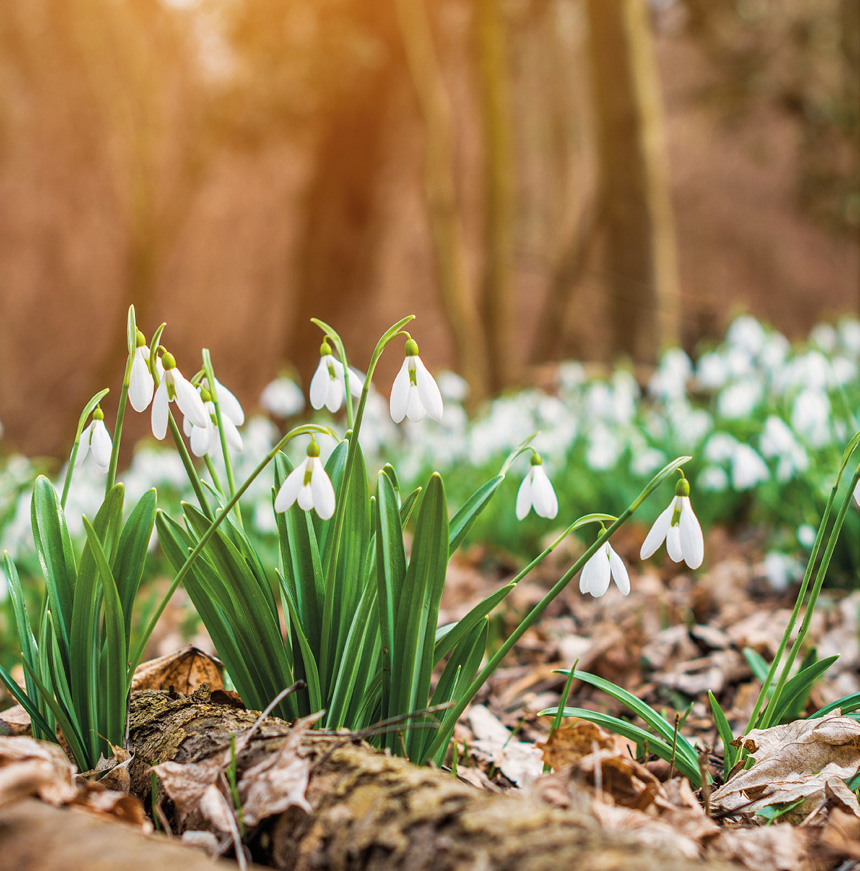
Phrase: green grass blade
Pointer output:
(797, 688)
(24, 700)
(757, 663)
(448, 637)
(309, 663)
(463, 520)
(846, 704)
(130, 559)
(724, 730)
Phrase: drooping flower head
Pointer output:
(414, 392)
(679, 527)
(604, 565)
(536, 492)
(328, 385)
(141, 384)
(205, 439)
(309, 485)
(96, 441)
(174, 386)
(231, 408)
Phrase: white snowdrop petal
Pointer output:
(230, 406)
(400, 394)
(140, 385)
(673, 544)
(595, 574)
(356, 382)
(857, 493)
(657, 533)
(692, 540)
(428, 391)
(619, 572)
(290, 488)
(334, 395)
(414, 409)
(543, 495)
(201, 440)
(234, 437)
(84, 444)
(188, 400)
(159, 411)
(524, 496)
(322, 490)
(319, 383)
(101, 445)
(305, 499)
(187, 426)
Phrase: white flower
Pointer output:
(309, 485)
(603, 566)
(327, 385)
(414, 392)
(282, 397)
(95, 440)
(231, 408)
(205, 439)
(748, 468)
(857, 493)
(536, 492)
(175, 386)
(679, 527)
(140, 385)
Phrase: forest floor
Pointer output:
(674, 638)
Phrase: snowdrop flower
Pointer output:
(748, 468)
(740, 399)
(811, 415)
(604, 566)
(857, 493)
(309, 485)
(679, 527)
(536, 492)
(283, 397)
(205, 439)
(174, 386)
(414, 392)
(327, 385)
(95, 440)
(141, 384)
(231, 408)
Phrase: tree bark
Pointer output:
(641, 259)
(372, 811)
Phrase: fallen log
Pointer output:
(376, 812)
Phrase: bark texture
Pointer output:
(372, 811)
(38, 837)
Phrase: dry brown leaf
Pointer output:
(568, 746)
(185, 671)
(30, 767)
(186, 784)
(841, 835)
(645, 829)
(768, 848)
(116, 776)
(280, 780)
(808, 759)
(117, 805)
(17, 720)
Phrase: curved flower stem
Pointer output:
(454, 713)
(210, 531)
(193, 477)
(131, 338)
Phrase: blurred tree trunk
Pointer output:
(340, 227)
(458, 300)
(497, 288)
(640, 255)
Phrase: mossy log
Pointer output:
(372, 811)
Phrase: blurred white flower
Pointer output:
(713, 478)
(536, 492)
(669, 381)
(777, 442)
(414, 392)
(453, 386)
(810, 416)
(679, 527)
(748, 468)
(806, 534)
(95, 440)
(780, 569)
(604, 565)
(282, 397)
(825, 337)
(603, 450)
(740, 399)
(849, 336)
(747, 334)
(309, 485)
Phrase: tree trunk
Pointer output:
(372, 811)
(640, 258)
(458, 299)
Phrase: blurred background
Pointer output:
(535, 179)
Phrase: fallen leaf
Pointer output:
(568, 746)
(16, 720)
(186, 784)
(280, 780)
(117, 805)
(30, 767)
(808, 759)
(184, 671)
(114, 771)
(841, 835)
(771, 848)
(519, 761)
